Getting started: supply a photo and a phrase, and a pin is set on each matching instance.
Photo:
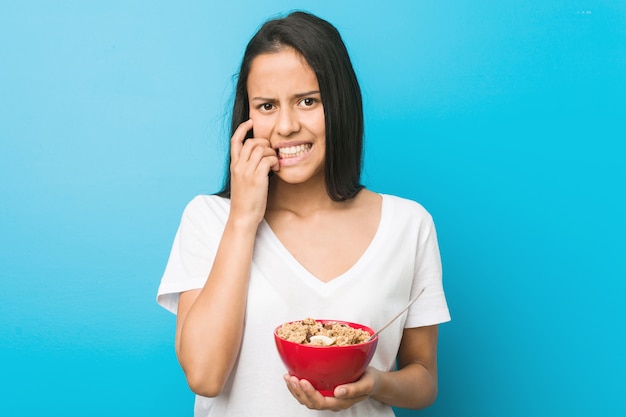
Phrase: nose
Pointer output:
(287, 122)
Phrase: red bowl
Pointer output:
(326, 367)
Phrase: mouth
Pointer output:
(294, 151)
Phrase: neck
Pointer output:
(299, 198)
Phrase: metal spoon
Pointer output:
(396, 316)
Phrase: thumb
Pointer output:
(340, 392)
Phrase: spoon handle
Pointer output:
(397, 315)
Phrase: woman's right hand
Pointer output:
(209, 326)
(251, 161)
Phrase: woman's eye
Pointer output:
(267, 107)
(308, 102)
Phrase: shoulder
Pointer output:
(203, 206)
(406, 207)
(407, 216)
(203, 201)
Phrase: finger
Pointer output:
(260, 158)
(340, 392)
(358, 389)
(250, 146)
(311, 397)
(292, 383)
(349, 393)
(307, 387)
(275, 163)
(294, 387)
(261, 161)
(267, 164)
(304, 392)
(238, 138)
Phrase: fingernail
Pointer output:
(340, 392)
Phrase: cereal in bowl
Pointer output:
(312, 332)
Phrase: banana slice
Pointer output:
(321, 340)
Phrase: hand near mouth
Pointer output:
(251, 162)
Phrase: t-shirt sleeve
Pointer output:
(191, 256)
(432, 307)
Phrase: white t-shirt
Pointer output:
(402, 258)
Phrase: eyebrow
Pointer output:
(299, 95)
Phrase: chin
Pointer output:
(295, 178)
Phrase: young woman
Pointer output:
(293, 235)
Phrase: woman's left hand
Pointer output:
(345, 395)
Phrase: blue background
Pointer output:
(505, 119)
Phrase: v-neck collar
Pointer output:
(312, 280)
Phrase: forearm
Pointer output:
(413, 386)
(210, 333)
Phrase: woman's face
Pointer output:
(286, 108)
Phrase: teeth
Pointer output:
(293, 151)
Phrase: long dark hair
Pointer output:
(321, 45)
